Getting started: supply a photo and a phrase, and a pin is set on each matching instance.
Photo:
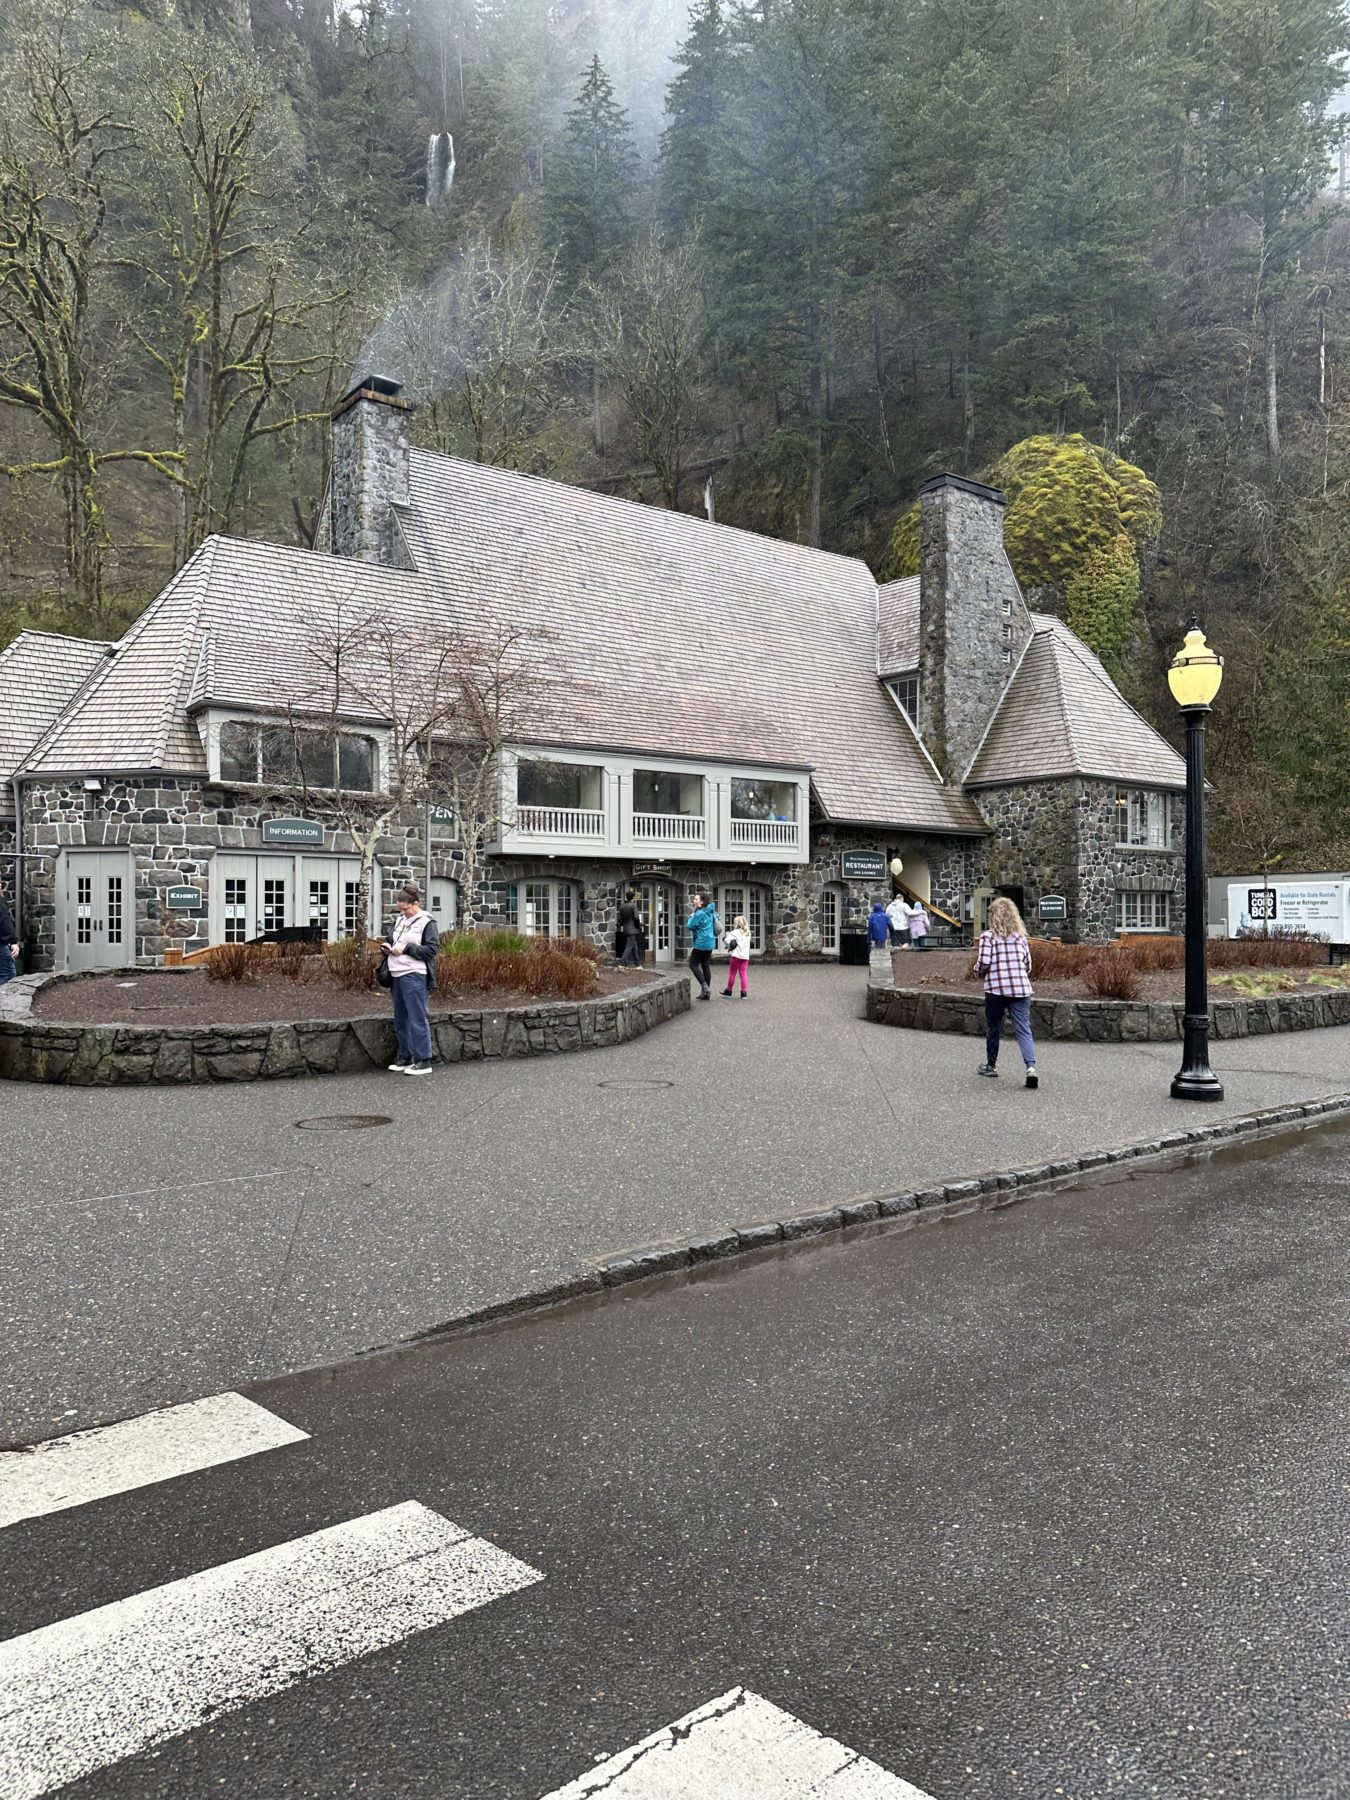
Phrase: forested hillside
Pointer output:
(787, 259)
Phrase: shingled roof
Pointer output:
(41, 672)
(1063, 715)
(670, 637)
(898, 626)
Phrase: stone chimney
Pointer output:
(369, 479)
(973, 621)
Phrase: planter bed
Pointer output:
(82, 1054)
(1108, 1021)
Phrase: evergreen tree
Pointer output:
(695, 103)
(588, 201)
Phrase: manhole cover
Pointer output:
(343, 1122)
(634, 1082)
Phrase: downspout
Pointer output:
(17, 785)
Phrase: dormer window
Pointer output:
(905, 689)
(256, 754)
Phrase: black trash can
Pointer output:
(853, 948)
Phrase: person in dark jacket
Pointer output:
(878, 926)
(630, 930)
(412, 947)
(9, 943)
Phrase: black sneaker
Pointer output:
(399, 1066)
(418, 1068)
(726, 993)
(987, 1069)
(1033, 1079)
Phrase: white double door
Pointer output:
(251, 895)
(98, 910)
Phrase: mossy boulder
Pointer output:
(1070, 503)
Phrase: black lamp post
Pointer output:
(1194, 679)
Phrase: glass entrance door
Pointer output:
(657, 908)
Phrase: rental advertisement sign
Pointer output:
(1321, 908)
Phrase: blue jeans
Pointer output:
(412, 1027)
(6, 965)
(995, 1005)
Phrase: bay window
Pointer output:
(257, 753)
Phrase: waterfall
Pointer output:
(440, 168)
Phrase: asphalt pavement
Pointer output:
(163, 1243)
(1044, 1501)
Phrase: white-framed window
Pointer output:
(744, 898)
(542, 908)
(1149, 911)
(905, 688)
(254, 752)
(1145, 819)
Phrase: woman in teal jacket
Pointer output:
(702, 928)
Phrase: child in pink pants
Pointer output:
(738, 947)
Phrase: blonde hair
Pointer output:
(1004, 918)
(740, 923)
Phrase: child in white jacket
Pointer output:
(738, 950)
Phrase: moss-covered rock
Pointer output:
(1070, 502)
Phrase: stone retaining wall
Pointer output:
(132, 1055)
(1109, 1021)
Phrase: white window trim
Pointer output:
(1125, 895)
(209, 726)
(1167, 796)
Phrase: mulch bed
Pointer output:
(190, 999)
(948, 970)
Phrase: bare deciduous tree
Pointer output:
(442, 707)
(478, 350)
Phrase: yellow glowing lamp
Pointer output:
(1196, 671)
(897, 867)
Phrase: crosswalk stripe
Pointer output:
(84, 1693)
(114, 1459)
(738, 1747)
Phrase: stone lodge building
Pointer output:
(732, 711)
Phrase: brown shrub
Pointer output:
(541, 966)
(572, 946)
(295, 962)
(1160, 953)
(234, 962)
(1112, 975)
(559, 974)
(1266, 952)
(350, 965)
(1053, 961)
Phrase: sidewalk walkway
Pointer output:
(159, 1244)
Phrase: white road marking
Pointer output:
(114, 1459)
(738, 1747)
(86, 1692)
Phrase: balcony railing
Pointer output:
(668, 828)
(560, 821)
(765, 834)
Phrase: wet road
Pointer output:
(1045, 1501)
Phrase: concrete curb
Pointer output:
(991, 1190)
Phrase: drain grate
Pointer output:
(343, 1122)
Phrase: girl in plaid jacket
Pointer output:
(1004, 959)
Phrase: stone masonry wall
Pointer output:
(965, 636)
(1059, 837)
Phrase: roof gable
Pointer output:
(41, 673)
(1061, 715)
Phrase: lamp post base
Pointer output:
(1197, 1084)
